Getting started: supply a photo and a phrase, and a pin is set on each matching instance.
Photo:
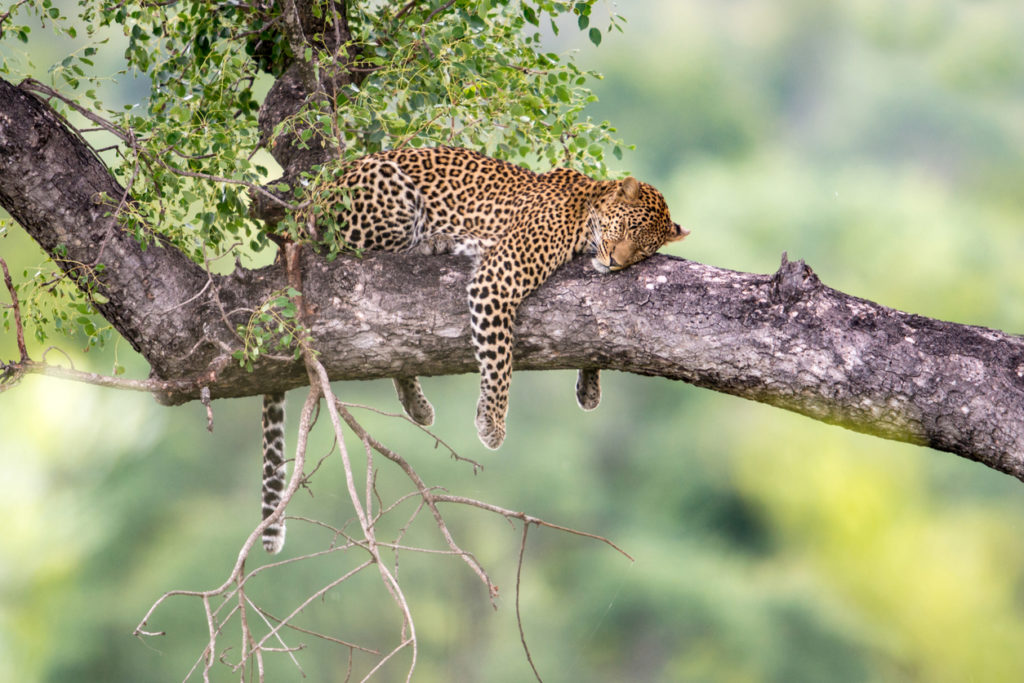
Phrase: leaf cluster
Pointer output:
(272, 327)
(62, 304)
(475, 76)
(189, 152)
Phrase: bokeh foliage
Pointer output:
(879, 141)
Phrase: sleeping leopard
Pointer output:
(517, 225)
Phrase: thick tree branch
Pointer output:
(782, 339)
(61, 193)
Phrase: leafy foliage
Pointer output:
(476, 77)
(463, 73)
(56, 303)
(272, 327)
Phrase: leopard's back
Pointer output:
(450, 199)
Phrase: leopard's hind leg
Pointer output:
(588, 388)
(415, 404)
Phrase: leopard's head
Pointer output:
(631, 223)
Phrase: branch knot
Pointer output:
(793, 281)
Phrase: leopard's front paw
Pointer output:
(490, 428)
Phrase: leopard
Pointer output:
(517, 225)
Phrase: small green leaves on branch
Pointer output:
(272, 328)
(59, 300)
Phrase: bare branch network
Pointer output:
(230, 600)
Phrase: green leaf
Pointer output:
(595, 36)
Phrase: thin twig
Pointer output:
(6, 15)
(204, 398)
(277, 636)
(22, 349)
(322, 636)
(430, 17)
(57, 349)
(528, 519)
(405, 643)
(153, 386)
(113, 129)
(243, 619)
(428, 498)
(405, 10)
(477, 467)
(211, 646)
(319, 373)
(519, 615)
(402, 531)
(305, 603)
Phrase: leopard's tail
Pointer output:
(273, 468)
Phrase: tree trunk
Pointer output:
(783, 339)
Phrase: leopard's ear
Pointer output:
(629, 188)
(678, 233)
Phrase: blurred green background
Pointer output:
(881, 141)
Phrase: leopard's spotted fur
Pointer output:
(519, 225)
(273, 469)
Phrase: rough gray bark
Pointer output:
(783, 339)
(51, 183)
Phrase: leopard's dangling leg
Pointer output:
(491, 408)
(491, 323)
(273, 468)
(414, 403)
(507, 273)
(588, 388)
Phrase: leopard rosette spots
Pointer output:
(518, 225)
